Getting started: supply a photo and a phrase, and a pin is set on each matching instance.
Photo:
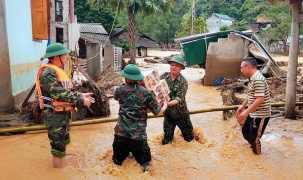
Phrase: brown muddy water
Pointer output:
(221, 152)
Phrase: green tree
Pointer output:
(161, 27)
(241, 26)
(200, 26)
(122, 42)
(251, 9)
(280, 16)
(87, 14)
(224, 28)
(133, 7)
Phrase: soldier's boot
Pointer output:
(165, 141)
(119, 163)
(147, 167)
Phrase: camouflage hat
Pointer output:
(177, 59)
(132, 72)
(55, 49)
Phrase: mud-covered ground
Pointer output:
(221, 152)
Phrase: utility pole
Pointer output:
(292, 63)
(192, 31)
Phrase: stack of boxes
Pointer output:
(158, 87)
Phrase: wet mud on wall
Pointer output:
(224, 58)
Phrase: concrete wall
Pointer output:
(6, 98)
(224, 58)
(64, 24)
(93, 65)
(24, 53)
(108, 56)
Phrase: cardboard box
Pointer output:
(158, 87)
(161, 91)
(151, 78)
(161, 87)
(162, 102)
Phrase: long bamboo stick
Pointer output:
(23, 129)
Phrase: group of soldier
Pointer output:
(57, 98)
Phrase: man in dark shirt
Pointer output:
(177, 113)
(130, 131)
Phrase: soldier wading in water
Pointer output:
(57, 99)
(130, 131)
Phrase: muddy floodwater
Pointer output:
(220, 153)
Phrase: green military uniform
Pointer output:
(57, 122)
(130, 131)
(134, 101)
(177, 115)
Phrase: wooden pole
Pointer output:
(192, 31)
(292, 63)
(105, 120)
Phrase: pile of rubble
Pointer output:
(235, 92)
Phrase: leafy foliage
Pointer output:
(122, 42)
(224, 28)
(251, 9)
(133, 8)
(279, 15)
(164, 21)
(200, 26)
(87, 14)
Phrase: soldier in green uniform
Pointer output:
(56, 99)
(130, 131)
(177, 113)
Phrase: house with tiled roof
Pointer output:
(216, 20)
(143, 43)
(95, 46)
(91, 33)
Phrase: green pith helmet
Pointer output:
(132, 72)
(177, 59)
(55, 49)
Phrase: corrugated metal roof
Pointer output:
(223, 16)
(263, 20)
(117, 31)
(199, 36)
(92, 28)
(94, 38)
(144, 42)
(93, 32)
(195, 48)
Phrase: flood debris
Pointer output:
(234, 93)
(221, 54)
(163, 60)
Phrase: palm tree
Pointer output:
(147, 7)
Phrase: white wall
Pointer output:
(24, 53)
(214, 23)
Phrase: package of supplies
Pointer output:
(162, 102)
(151, 78)
(161, 87)
(161, 91)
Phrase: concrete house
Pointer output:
(91, 34)
(26, 28)
(95, 46)
(215, 21)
